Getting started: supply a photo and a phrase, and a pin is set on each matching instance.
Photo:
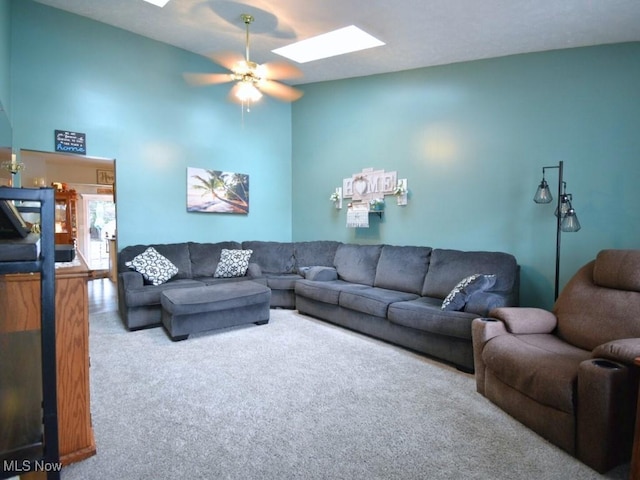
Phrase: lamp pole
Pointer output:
(558, 230)
(566, 219)
(543, 195)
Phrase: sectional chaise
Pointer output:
(420, 298)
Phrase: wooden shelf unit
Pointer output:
(66, 217)
(38, 300)
(75, 432)
(25, 450)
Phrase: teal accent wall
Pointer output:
(5, 54)
(127, 93)
(472, 138)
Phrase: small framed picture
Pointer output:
(105, 177)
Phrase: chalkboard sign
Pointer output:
(71, 142)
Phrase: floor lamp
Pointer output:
(566, 218)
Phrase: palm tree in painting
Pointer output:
(230, 188)
(238, 186)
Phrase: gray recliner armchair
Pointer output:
(569, 374)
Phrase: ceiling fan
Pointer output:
(252, 79)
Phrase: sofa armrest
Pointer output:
(483, 330)
(605, 403)
(481, 303)
(321, 274)
(254, 270)
(522, 320)
(625, 350)
(131, 279)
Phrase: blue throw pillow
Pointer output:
(457, 298)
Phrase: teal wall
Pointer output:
(5, 54)
(127, 94)
(472, 138)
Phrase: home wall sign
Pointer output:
(367, 190)
(70, 142)
(369, 185)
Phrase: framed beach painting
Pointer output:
(215, 191)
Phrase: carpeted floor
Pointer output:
(296, 399)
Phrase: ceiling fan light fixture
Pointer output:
(338, 42)
(252, 79)
(247, 92)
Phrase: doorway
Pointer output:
(91, 178)
(100, 211)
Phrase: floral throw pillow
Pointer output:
(458, 297)
(154, 267)
(233, 263)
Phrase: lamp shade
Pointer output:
(543, 194)
(570, 222)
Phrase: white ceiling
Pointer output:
(417, 33)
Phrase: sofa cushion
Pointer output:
(357, 263)
(448, 267)
(327, 292)
(176, 253)
(155, 268)
(233, 263)
(321, 274)
(220, 280)
(402, 268)
(590, 315)
(425, 314)
(619, 269)
(149, 295)
(317, 253)
(285, 281)
(372, 300)
(457, 298)
(273, 257)
(540, 366)
(205, 256)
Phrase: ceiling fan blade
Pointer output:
(229, 60)
(199, 79)
(280, 91)
(281, 70)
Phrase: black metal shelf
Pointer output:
(45, 454)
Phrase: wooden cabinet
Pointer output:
(66, 226)
(20, 311)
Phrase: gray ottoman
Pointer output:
(198, 309)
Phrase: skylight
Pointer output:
(159, 3)
(341, 41)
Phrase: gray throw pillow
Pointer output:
(457, 298)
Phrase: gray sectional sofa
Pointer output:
(394, 293)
